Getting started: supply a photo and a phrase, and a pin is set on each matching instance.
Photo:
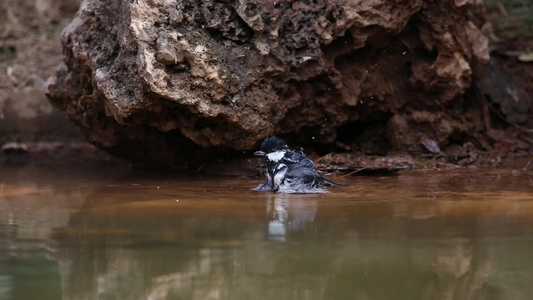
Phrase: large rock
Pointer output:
(155, 80)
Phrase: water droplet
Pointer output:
(405, 52)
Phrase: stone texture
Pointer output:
(156, 80)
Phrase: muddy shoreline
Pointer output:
(79, 155)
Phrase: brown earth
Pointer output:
(329, 77)
(29, 52)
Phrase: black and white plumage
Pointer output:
(289, 171)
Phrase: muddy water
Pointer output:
(103, 233)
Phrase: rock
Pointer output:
(419, 131)
(501, 88)
(430, 145)
(156, 81)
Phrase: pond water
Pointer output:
(104, 232)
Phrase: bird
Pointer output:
(289, 171)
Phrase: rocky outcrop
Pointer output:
(156, 80)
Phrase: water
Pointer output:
(99, 232)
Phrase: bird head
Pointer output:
(273, 148)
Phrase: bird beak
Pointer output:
(259, 153)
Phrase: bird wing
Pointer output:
(293, 157)
(305, 170)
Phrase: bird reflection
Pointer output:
(289, 213)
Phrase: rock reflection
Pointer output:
(145, 245)
(118, 247)
(460, 268)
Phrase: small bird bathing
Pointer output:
(288, 171)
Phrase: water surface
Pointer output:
(95, 232)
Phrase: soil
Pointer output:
(30, 51)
